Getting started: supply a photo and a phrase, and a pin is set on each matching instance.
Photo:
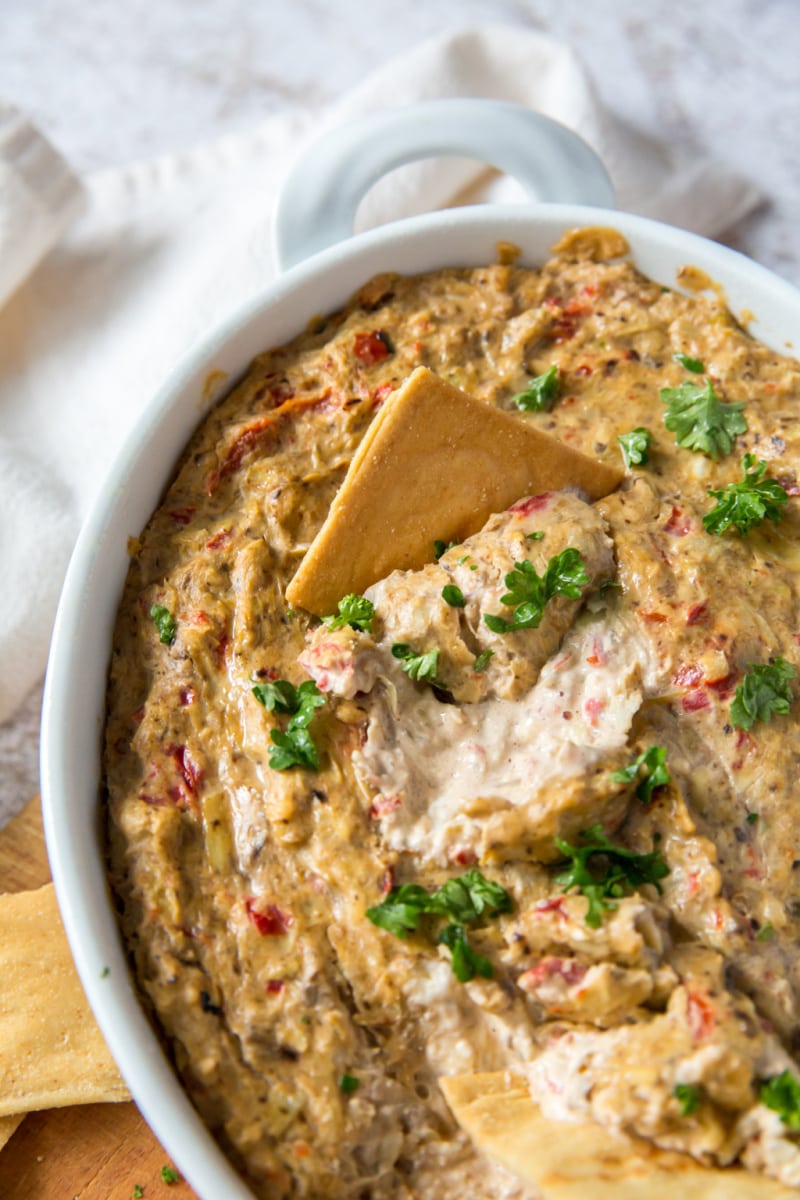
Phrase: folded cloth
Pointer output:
(168, 247)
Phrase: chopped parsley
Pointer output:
(169, 1176)
(466, 962)
(688, 1096)
(603, 871)
(540, 393)
(536, 536)
(691, 364)
(356, 611)
(422, 667)
(349, 1084)
(463, 900)
(482, 661)
(748, 502)
(528, 592)
(765, 932)
(453, 596)
(106, 971)
(280, 696)
(138, 1192)
(440, 548)
(294, 746)
(782, 1095)
(652, 763)
(751, 818)
(635, 446)
(763, 693)
(699, 419)
(164, 623)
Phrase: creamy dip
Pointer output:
(309, 1037)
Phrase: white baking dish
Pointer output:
(317, 209)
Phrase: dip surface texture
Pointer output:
(311, 1038)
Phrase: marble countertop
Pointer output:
(114, 83)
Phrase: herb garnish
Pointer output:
(464, 900)
(540, 393)
(691, 364)
(536, 536)
(782, 1095)
(763, 693)
(688, 1096)
(356, 611)
(765, 932)
(349, 1084)
(169, 1175)
(164, 623)
(422, 667)
(440, 548)
(699, 419)
(482, 661)
(617, 873)
(453, 596)
(635, 446)
(294, 746)
(653, 765)
(528, 592)
(747, 503)
(465, 961)
(138, 1192)
(751, 818)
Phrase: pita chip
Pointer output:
(434, 464)
(51, 1050)
(581, 1160)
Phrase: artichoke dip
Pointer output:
(527, 808)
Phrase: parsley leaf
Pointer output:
(164, 623)
(169, 1175)
(691, 364)
(280, 696)
(422, 667)
(294, 746)
(782, 1095)
(482, 661)
(400, 912)
(465, 961)
(349, 1084)
(540, 392)
(747, 503)
(699, 419)
(465, 899)
(688, 1096)
(356, 611)
(528, 592)
(536, 536)
(469, 897)
(440, 548)
(763, 693)
(635, 446)
(653, 764)
(138, 1192)
(618, 872)
(453, 596)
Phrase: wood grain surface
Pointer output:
(91, 1152)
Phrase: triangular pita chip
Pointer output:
(581, 1160)
(435, 463)
(51, 1050)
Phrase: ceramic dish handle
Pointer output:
(318, 202)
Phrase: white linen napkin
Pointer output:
(167, 248)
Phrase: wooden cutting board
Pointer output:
(90, 1152)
